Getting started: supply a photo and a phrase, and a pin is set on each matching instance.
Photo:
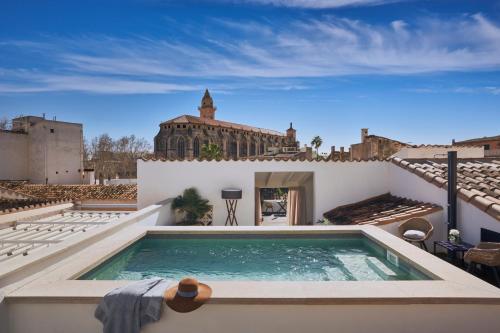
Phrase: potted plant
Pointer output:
(454, 236)
(192, 205)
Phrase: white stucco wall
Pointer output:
(13, 156)
(248, 318)
(470, 219)
(334, 183)
(49, 149)
(57, 156)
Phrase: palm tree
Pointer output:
(316, 143)
(211, 151)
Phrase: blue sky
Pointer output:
(417, 71)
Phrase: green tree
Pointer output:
(211, 151)
(191, 203)
(316, 143)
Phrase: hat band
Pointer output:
(187, 293)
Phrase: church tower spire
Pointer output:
(207, 109)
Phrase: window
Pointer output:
(261, 150)
(181, 152)
(233, 149)
(51, 130)
(196, 147)
(243, 148)
(486, 147)
(252, 149)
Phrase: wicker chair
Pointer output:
(420, 224)
(487, 254)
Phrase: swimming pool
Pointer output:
(347, 257)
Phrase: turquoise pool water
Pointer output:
(343, 258)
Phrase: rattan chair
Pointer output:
(486, 254)
(420, 224)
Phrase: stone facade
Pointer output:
(374, 146)
(42, 151)
(491, 145)
(184, 136)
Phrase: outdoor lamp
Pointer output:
(231, 195)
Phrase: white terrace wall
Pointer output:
(335, 183)
(77, 316)
(470, 219)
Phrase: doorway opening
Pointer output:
(283, 198)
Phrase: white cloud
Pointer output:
(321, 3)
(261, 51)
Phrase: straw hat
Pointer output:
(188, 296)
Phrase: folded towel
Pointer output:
(127, 309)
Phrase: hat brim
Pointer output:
(187, 304)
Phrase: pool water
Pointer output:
(351, 258)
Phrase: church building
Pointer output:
(184, 136)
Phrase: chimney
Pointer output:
(452, 190)
(452, 142)
(364, 134)
(341, 153)
(309, 153)
(332, 151)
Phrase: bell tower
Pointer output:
(291, 134)
(207, 109)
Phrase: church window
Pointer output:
(233, 149)
(181, 152)
(243, 148)
(196, 147)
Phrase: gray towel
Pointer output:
(127, 309)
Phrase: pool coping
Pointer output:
(454, 286)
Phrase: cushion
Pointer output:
(414, 234)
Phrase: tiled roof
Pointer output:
(188, 119)
(74, 192)
(385, 138)
(300, 158)
(17, 205)
(478, 180)
(379, 210)
(496, 137)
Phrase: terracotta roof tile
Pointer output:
(261, 158)
(74, 192)
(478, 180)
(382, 209)
(18, 205)
(188, 119)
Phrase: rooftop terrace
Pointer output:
(30, 235)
